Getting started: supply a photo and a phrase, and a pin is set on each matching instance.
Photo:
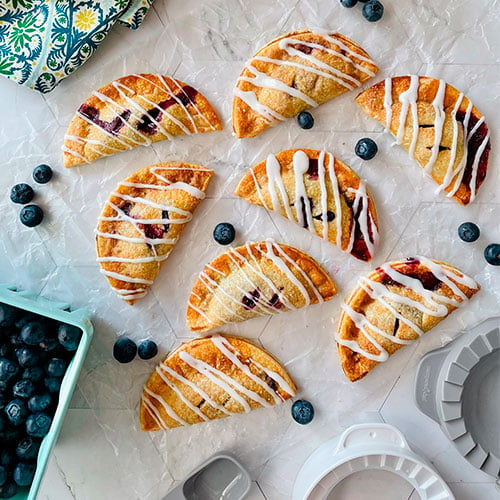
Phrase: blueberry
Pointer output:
(49, 344)
(8, 490)
(39, 402)
(31, 215)
(468, 231)
(69, 336)
(124, 350)
(3, 475)
(366, 148)
(147, 349)
(224, 233)
(34, 373)
(25, 318)
(16, 412)
(42, 174)
(16, 341)
(302, 411)
(23, 474)
(5, 350)
(12, 435)
(27, 357)
(306, 120)
(38, 424)
(7, 458)
(21, 193)
(56, 367)
(349, 3)
(8, 369)
(8, 315)
(24, 388)
(53, 384)
(373, 11)
(492, 254)
(27, 449)
(3, 402)
(33, 333)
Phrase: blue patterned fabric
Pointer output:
(44, 41)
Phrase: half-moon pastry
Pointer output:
(143, 219)
(438, 126)
(135, 110)
(210, 378)
(393, 306)
(318, 192)
(255, 280)
(295, 72)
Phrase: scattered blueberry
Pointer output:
(492, 254)
(21, 193)
(34, 373)
(124, 350)
(27, 449)
(16, 412)
(69, 337)
(147, 349)
(24, 388)
(306, 120)
(33, 333)
(224, 233)
(42, 174)
(27, 357)
(366, 148)
(23, 474)
(31, 215)
(349, 3)
(302, 411)
(39, 402)
(3, 475)
(373, 11)
(56, 367)
(53, 384)
(8, 315)
(8, 490)
(8, 369)
(468, 231)
(38, 424)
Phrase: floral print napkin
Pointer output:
(44, 41)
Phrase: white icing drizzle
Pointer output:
(155, 414)
(273, 172)
(276, 377)
(336, 195)
(168, 410)
(249, 97)
(433, 304)
(300, 167)
(388, 103)
(439, 118)
(409, 99)
(324, 195)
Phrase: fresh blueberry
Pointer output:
(468, 231)
(306, 120)
(38, 424)
(69, 336)
(373, 11)
(349, 3)
(27, 449)
(3, 475)
(42, 174)
(22, 193)
(49, 344)
(12, 435)
(8, 315)
(56, 367)
(124, 350)
(27, 357)
(8, 490)
(34, 373)
(16, 412)
(23, 474)
(33, 333)
(224, 233)
(39, 402)
(366, 148)
(8, 369)
(5, 350)
(24, 388)
(7, 458)
(492, 254)
(31, 215)
(302, 411)
(53, 384)
(16, 341)
(25, 318)
(147, 349)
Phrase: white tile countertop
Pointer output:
(100, 453)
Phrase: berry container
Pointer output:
(59, 311)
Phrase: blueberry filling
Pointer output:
(396, 327)
(427, 278)
(312, 171)
(330, 216)
(426, 126)
(270, 382)
(165, 215)
(302, 48)
(113, 127)
(275, 302)
(125, 207)
(250, 300)
(303, 208)
(360, 248)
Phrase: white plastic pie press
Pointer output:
(367, 447)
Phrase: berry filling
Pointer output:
(329, 216)
(360, 248)
(312, 171)
(113, 127)
(302, 48)
(275, 302)
(250, 300)
(427, 278)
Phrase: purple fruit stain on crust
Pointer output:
(427, 278)
(250, 300)
(275, 302)
(113, 127)
(312, 171)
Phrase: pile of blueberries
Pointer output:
(35, 352)
(373, 10)
(31, 215)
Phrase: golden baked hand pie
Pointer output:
(255, 280)
(295, 72)
(143, 219)
(318, 192)
(393, 306)
(438, 126)
(135, 110)
(209, 378)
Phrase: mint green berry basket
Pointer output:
(59, 311)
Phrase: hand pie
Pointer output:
(255, 280)
(395, 305)
(135, 110)
(295, 72)
(209, 378)
(142, 220)
(438, 126)
(333, 200)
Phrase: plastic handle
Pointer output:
(371, 434)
